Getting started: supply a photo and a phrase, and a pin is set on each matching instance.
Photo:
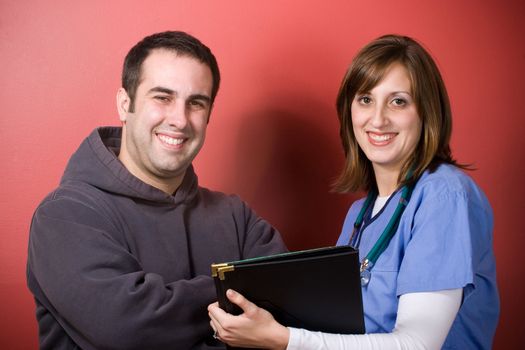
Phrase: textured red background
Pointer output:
(273, 136)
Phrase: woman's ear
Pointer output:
(123, 104)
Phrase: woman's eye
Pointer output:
(365, 100)
(399, 102)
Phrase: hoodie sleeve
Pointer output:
(260, 238)
(98, 292)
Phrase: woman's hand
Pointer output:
(255, 327)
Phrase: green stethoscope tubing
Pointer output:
(389, 231)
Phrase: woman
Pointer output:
(430, 282)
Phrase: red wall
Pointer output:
(273, 136)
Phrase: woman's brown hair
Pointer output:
(430, 95)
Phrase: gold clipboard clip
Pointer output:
(218, 270)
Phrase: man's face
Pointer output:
(168, 126)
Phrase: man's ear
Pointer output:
(123, 104)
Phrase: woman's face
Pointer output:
(386, 124)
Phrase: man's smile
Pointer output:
(171, 141)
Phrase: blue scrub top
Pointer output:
(444, 241)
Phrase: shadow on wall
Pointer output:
(289, 159)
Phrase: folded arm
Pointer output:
(101, 295)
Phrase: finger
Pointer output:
(213, 305)
(216, 332)
(218, 318)
(213, 318)
(247, 306)
(216, 326)
(215, 312)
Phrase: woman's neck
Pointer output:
(386, 180)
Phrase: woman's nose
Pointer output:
(379, 116)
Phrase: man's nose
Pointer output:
(177, 115)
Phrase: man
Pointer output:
(120, 253)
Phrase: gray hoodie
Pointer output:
(115, 263)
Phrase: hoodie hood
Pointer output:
(96, 163)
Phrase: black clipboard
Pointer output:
(316, 289)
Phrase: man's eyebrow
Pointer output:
(168, 91)
(162, 89)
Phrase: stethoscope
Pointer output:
(382, 243)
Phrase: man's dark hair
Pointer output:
(180, 42)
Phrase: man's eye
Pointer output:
(196, 104)
(162, 98)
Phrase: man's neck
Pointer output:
(168, 186)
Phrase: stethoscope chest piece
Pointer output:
(365, 268)
(365, 277)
